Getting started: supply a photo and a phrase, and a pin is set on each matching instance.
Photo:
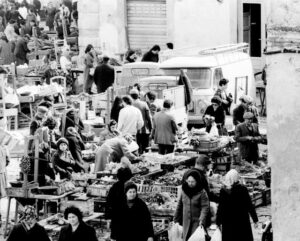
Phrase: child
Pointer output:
(62, 160)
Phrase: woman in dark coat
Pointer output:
(89, 59)
(50, 12)
(116, 195)
(193, 205)
(134, 221)
(116, 108)
(152, 55)
(28, 229)
(216, 110)
(76, 146)
(234, 209)
(76, 230)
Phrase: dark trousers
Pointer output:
(165, 149)
(142, 140)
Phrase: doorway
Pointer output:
(252, 27)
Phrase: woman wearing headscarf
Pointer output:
(234, 209)
(28, 229)
(6, 54)
(77, 229)
(88, 66)
(134, 221)
(113, 150)
(110, 132)
(193, 205)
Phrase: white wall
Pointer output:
(205, 23)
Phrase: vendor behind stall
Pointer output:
(110, 132)
(215, 110)
(50, 72)
(76, 146)
(73, 120)
(112, 151)
(247, 135)
(62, 160)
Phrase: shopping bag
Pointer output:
(198, 235)
(217, 236)
(175, 233)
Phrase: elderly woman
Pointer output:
(134, 221)
(77, 229)
(28, 229)
(193, 205)
(234, 209)
(113, 150)
(110, 132)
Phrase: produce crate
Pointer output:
(267, 196)
(144, 189)
(188, 161)
(222, 167)
(162, 212)
(99, 190)
(85, 206)
(257, 199)
(173, 190)
(16, 192)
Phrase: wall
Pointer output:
(283, 73)
(101, 23)
(204, 23)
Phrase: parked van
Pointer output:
(206, 68)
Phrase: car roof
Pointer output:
(189, 62)
(153, 65)
(158, 78)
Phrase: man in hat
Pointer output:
(247, 135)
(104, 75)
(239, 111)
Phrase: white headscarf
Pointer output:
(231, 178)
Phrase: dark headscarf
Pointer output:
(124, 174)
(199, 185)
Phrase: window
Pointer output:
(200, 78)
(241, 87)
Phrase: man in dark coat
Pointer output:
(104, 75)
(221, 92)
(152, 55)
(247, 135)
(21, 50)
(245, 106)
(143, 134)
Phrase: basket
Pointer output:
(207, 144)
(99, 190)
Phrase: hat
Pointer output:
(134, 91)
(62, 140)
(246, 98)
(203, 160)
(129, 185)
(42, 109)
(216, 99)
(248, 115)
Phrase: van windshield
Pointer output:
(200, 78)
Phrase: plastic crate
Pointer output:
(101, 190)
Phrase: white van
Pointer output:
(205, 70)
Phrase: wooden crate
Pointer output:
(101, 190)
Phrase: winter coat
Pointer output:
(238, 114)
(88, 64)
(143, 107)
(114, 201)
(150, 57)
(219, 114)
(76, 145)
(83, 232)
(21, 51)
(192, 212)
(133, 223)
(112, 151)
(248, 149)
(164, 128)
(233, 214)
(37, 233)
(104, 77)
(63, 164)
(6, 54)
(50, 17)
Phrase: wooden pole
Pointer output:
(36, 158)
(63, 123)
(34, 34)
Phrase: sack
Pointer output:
(214, 130)
(92, 71)
(198, 235)
(217, 236)
(175, 233)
